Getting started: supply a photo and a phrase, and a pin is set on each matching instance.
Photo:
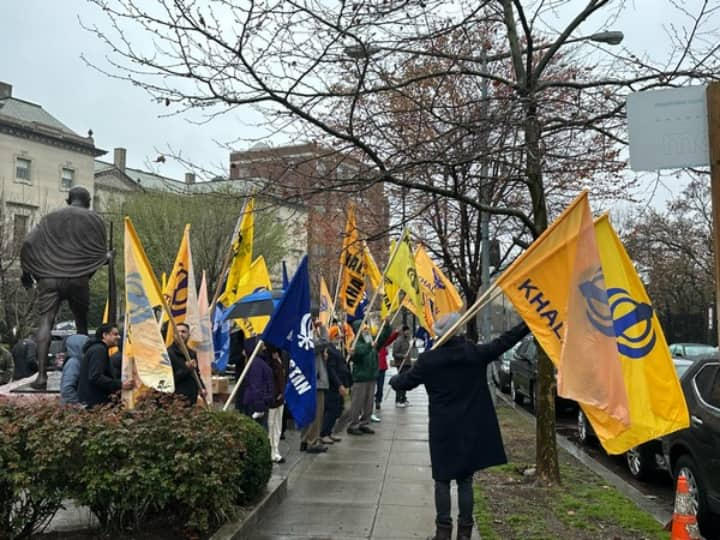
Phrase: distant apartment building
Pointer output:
(40, 160)
(325, 181)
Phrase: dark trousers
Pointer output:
(379, 385)
(465, 501)
(333, 410)
(401, 395)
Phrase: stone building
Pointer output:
(40, 160)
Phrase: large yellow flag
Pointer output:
(657, 403)
(325, 312)
(401, 271)
(242, 246)
(539, 285)
(352, 261)
(391, 293)
(204, 347)
(436, 286)
(144, 352)
(181, 293)
(256, 278)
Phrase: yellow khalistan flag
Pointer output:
(181, 294)
(542, 285)
(373, 272)
(401, 271)
(145, 357)
(657, 403)
(204, 346)
(242, 247)
(256, 278)
(436, 286)
(391, 294)
(352, 261)
(326, 306)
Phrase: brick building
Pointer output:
(325, 181)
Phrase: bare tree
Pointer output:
(323, 71)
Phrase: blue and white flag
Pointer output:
(290, 328)
(221, 338)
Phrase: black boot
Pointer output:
(464, 532)
(443, 531)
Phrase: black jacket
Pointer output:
(25, 357)
(338, 371)
(185, 384)
(97, 383)
(464, 431)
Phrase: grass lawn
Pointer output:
(508, 505)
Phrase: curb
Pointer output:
(661, 515)
(240, 527)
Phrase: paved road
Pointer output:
(375, 487)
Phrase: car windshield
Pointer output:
(693, 349)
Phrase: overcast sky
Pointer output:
(42, 43)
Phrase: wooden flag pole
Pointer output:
(368, 308)
(242, 375)
(384, 321)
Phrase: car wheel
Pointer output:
(686, 465)
(583, 430)
(516, 396)
(639, 462)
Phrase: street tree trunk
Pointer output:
(546, 457)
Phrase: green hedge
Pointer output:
(188, 467)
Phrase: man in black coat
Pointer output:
(97, 382)
(185, 383)
(464, 431)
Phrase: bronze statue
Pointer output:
(59, 256)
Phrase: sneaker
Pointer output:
(326, 440)
(278, 459)
(375, 418)
(367, 429)
(335, 439)
(407, 403)
(303, 446)
(316, 449)
(401, 405)
(354, 431)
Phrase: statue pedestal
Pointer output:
(21, 390)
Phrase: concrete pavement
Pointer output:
(375, 487)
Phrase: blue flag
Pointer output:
(221, 338)
(360, 310)
(290, 328)
(286, 281)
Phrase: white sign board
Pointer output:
(668, 128)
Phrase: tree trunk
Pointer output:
(546, 457)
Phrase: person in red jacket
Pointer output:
(382, 368)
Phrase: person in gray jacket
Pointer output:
(311, 434)
(71, 369)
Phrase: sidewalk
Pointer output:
(375, 487)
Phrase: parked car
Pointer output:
(645, 459)
(501, 369)
(695, 451)
(523, 376)
(691, 350)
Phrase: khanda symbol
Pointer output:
(412, 274)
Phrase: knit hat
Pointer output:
(444, 323)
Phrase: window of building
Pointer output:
(20, 228)
(22, 169)
(67, 179)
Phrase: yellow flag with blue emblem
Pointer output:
(255, 279)
(544, 285)
(242, 247)
(326, 304)
(436, 286)
(657, 404)
(401, 271)
(181, 293)
(144, 352)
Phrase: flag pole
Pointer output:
(226, 262)
(384, 321)
(488, 296)
(375, 293)
(242, 375)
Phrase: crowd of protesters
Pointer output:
(349, 387)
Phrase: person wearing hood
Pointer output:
(70, 378)
(97, 382)
(464, 434)
(364, 358)
(257, 393)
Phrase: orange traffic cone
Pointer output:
(684, 521)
